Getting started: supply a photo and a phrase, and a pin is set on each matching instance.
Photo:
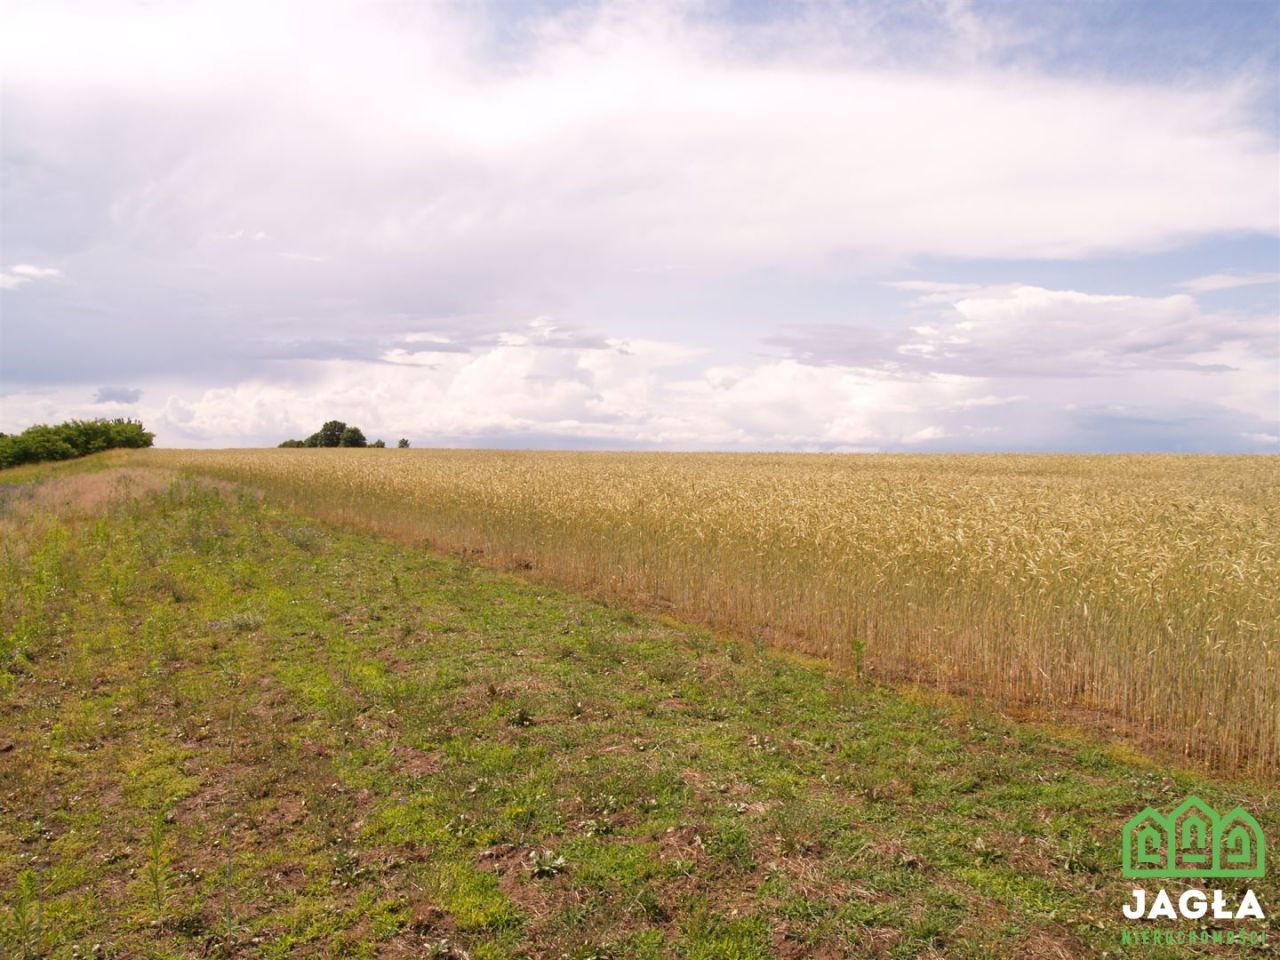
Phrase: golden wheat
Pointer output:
(1143, 587)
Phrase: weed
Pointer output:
(546, 863)
(520, 717)
(243, 621)
(157, 865)
(28, 914)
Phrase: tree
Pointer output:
(334, 433)
(330, 435)
(403, 444)
(378, 443)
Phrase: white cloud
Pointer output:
(934, 291)
(529, 384)
(1021, 329)
(1007, 330)
(21, 273)
(622, 394)
(927, 433)
(988, 400)
(1067, 364)
(1228, 281)
(637, 134)
(32, 272)
(1013, 363)
(548, 384)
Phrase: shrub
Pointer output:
(75, 438)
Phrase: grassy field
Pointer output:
(229, 729)
(1141, 591)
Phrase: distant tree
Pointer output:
(403, 444)
(334, 433)
(378, 443)
(330, 435)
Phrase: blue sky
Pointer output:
(928, 225)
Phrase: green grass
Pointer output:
(236, 731)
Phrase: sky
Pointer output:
(925, 225)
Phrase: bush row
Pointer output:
(75, 438)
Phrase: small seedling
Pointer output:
(157, 870)
(28, 914)
(228, 889)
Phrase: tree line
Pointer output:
(335, 433)
(79, 438)
(66, 441)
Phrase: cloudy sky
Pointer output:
(917, 225)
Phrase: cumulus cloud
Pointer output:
(620, 395)
(1031, 330)
(557, 387)
(544, 384)
(1023, 330)
(1073, 370)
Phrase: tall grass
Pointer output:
(1145, 588)
(35, 538)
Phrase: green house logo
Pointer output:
(1194, 841)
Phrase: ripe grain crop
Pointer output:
(1144, 590)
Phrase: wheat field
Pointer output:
(1143, 590)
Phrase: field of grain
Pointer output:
(1144, 588)
(232, 730)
